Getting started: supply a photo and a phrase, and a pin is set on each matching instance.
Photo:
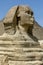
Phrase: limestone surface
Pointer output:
(20, 43)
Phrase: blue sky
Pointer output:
(36, 6)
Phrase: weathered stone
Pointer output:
(23, 47)
(1, 28)
(10, 21)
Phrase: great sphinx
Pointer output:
(18, 44)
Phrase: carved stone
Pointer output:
(18, 44)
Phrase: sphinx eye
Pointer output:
(28, 12)
(31, 13)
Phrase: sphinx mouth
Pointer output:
(32, 19)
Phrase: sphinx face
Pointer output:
(25, 17)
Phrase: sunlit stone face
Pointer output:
(25, 17)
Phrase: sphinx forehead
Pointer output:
(12, 13)
(24, 8)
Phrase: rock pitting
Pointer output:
(18, 44)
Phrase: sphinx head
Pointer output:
(25, 18)
(19, 15)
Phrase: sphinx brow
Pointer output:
(29, 12)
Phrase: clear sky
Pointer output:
(36, 6)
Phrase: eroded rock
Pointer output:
(18, 45)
